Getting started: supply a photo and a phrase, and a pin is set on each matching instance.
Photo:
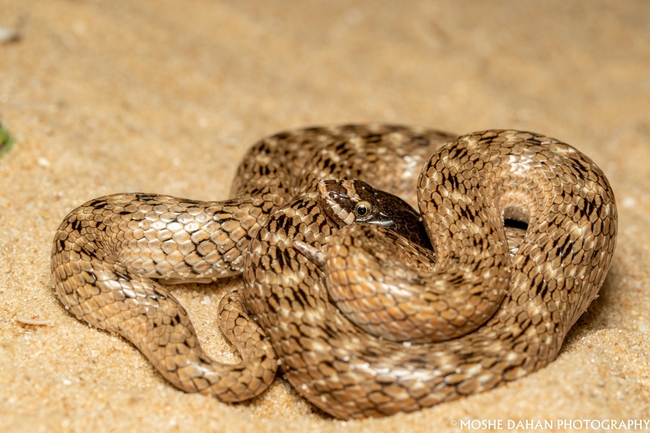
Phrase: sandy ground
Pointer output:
(165, 96)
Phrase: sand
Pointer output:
(166, 96)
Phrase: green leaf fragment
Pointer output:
(6, 141)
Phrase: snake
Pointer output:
(322, 297)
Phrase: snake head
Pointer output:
(349, 201)
(354, 201)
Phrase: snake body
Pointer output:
(110, 254)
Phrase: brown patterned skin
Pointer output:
(108, 253)
(407, 308)
(341, 198)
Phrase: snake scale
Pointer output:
(496, 317)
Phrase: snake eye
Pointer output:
(362, 209)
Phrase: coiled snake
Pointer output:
(495, 319)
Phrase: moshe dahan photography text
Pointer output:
(559, 424)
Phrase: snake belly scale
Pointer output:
(510, 318)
